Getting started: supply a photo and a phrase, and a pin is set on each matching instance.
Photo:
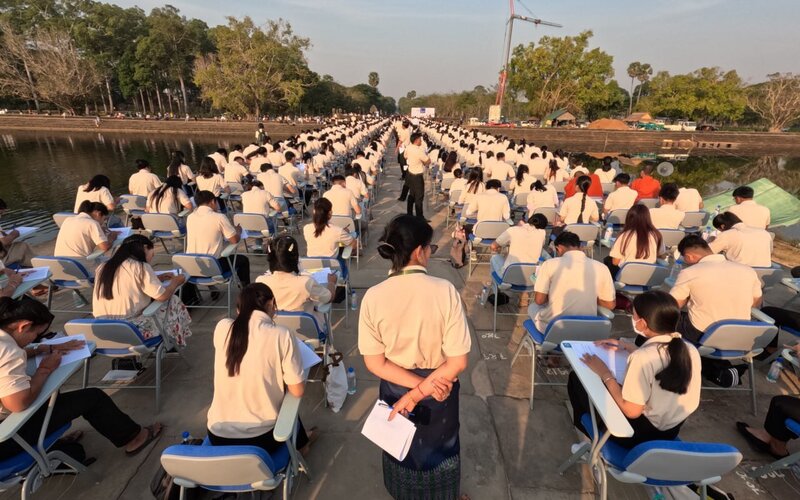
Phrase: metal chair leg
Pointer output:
(533, 374)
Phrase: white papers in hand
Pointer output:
(25, 231)
(244, 234)
(615, 360)
(70, 356)
(35, 274)
(307, 355)
(321, 276)
(394, 437)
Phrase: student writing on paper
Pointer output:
(418, 351)
(79, 236)
(293, 291)
(254, 359)
(21, 322)
(324, 239)
(127, 283)
(12, 251)
(169, 198)
(662, 385)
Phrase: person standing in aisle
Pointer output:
(415, 177)
(403, 141)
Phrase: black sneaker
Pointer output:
(727, 378)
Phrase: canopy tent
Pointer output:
(783, 206)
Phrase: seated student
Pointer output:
(289, 171)
(748, 245)
(750, 212)
(688, 200)
(169, 198)
(772, 439)
(207, 231)
(459, 182)
(324, 239)
(21, 323)
(293, 291)
(541, 196)
(451, 166)
(525, 244)
(220, 157)
(554, 173)
(580, 209)
(255, 361)
(79, 236)
(570, 284)
(356, 186)
(237, 171)
(666, 215)
(622, 197)
(13, 280)
(256, 200)
(209, 179)
(144, 181)
(606, 173)
(256, 159)
(595, 189)
(647, 186)
(97, 189)
(12, 251)
(178, 167)
(276, 186)
(500, 169)
(473, 188)
(342, 199)
(491, 205)
(639, 241)
(523, 181)
(662, 383)
(126, 284)
(713, 289)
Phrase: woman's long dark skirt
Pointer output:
(432, 468)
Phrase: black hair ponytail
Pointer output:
(676, 376)
(254, 297)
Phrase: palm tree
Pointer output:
(374, 79)
(634, 69)
(645, 71)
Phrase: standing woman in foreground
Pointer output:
(418, 351)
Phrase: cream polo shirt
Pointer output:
(186, 174)
(273, 182)
(524, 242)
(247, 404)
(220, 161)
(467, 198)
(276, 159)
(102, 195)
(415, 157)
(752, 214)
(666, 217)
(135, 286)
(291, 173)
(664, 409)
(207, 231)
(622, 197)
(501, 170)
(235, 172)
(542, 199)
(688, 200)
(78, 236)
(571, 209)
(430, 327)
(525, 187)
(256, 162)
(746, 245)
(342, 199)
(295, 292)
(573, 283)
(168, 203)
(355, 186)
(327, 243)
(606, 177)
(216, 184)
(13, 377)
(490, 206)
(717, 289)
(628, 253)
(257, 201)
(143, 183)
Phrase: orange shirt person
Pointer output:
(646, 185)
(595, 190)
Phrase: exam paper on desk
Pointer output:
(69, 357)
(615, 360)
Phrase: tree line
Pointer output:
(84, 56)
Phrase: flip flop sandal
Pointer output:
(752, 440)
(152, 435)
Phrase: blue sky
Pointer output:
(447, 45)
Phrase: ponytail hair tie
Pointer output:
(291, 247)
(385, 244)
(675, 335)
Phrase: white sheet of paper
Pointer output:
(120, 376)
(35, 274)
(321, 275)
(71, 356)
(174, 272)
(307, 355)
(244, 234)
(616, 361)
(393, 437)
(122, 233)
(25, 231)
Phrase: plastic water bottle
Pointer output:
(351, 380)
(353, 300)
(775, 370)
(484, 295)
(185, 437)
(677, 266)
(78, 300)
(609, 233)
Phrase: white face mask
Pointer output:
(633, 323)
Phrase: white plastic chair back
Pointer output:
(236, 188)
(672, 237)
(559, 186)
(608, 187)
(506, 185)
(694, 220)
(521, 199)
(446, 183)
(769, 276)
(671, 463)
(255, 224)
(454, 196)
(131, 202)
(738, 335)
(648, 202)
(111, 335)
(520, 274)
(63, 268)
(586, 232)
(489, 229)
(302, 324)
(220, 471)
(347, 223)
(60, 217)
(577, 328)
(549, 212)
(617, 216)
(308, 264)
(642, 274)
(161, 222)
(198, 266)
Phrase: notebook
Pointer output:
(615, 360)
(395, 436)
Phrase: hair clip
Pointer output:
(291, 247)
(675, 335)
(385, 244)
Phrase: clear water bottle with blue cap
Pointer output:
(484, 294)
(353, 300)
(186, 437)
(351, 380)
(775, 370)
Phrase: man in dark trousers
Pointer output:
(415, 177)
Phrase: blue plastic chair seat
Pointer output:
(168, 234)
(71, 284)
(199, 280)
(634, 289)
(536, 335)
(152, 342)
(517, 288)
(23, 461)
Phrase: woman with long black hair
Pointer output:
(209, 179)
(417, 351)
(169, 198)
(97, 189)
(324, 239)
(580, 208)
(662, 384)
(639, 241)
(255, 361)
(126, 284)
(178, 167)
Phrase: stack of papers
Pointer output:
(38, 274)
(394, 437)
(25, 231)
(307, 355)
(70, 356)
(615, 360)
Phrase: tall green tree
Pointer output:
(634, 69)
(560, 73)
(643, 75)
(704, 94)
(255, 68)
(374, 79)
